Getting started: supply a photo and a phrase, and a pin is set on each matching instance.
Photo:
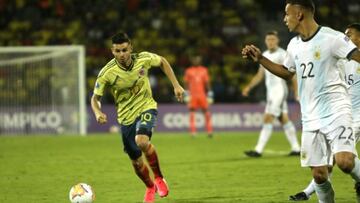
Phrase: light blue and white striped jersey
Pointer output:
(322, 91)
(273, 83)
(352, 78)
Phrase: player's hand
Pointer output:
(245, 91)
(179, 93)
(101, 117)
(187, 97)
(252, 52)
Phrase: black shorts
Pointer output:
(144, 125)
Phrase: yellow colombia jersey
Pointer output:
(130, 88)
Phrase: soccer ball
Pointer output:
(81, 193)
(114, 129)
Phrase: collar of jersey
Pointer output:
(130, 66)
(312, 36)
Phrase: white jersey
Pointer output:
(322, 91)
(352, 78)
(274, 83)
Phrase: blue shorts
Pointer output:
(144, 125)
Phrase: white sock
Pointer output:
(310, 189)
(264, 137)
(290, 133)
(355, 173)
(325, 192)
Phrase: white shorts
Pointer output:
(276, 103)
(318, 147)
(356, 128)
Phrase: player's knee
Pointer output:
(137, 163)
(284, 118)
(346, 164)
(320, 178)
(142, 142)
(268, 118)
(320, 175)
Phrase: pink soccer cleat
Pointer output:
(150, 194)
(161, 187)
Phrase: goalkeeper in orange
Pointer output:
(199, 94)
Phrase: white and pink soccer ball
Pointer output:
(81, 193)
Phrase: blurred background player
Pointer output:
(199, 94)
(127, 77)
(352, 78)
(276, 105)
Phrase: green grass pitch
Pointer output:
(41, 169)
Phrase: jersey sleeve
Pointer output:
(289, 62)
(342, 46)
(155, 60)
(100, 85)
(283, 56)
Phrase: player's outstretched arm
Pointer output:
(254, 81)
(166, 68)
(96, 107)
(251, 51)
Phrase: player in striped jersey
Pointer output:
(352, 78)
(276, 95)
(126, 75)
(325, 104)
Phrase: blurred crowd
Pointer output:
(217, 30)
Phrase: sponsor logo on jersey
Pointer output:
(97, 85)
(347, 39)
(358, 70)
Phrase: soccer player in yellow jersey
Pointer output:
(127, 77)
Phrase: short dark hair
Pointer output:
(307, 4)
(355, 26)
(120, 38)
(272, 32)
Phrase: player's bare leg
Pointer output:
(150, 153)
(192, 123)
(323, 187)
(142, 172)
(290, 132)
(208, 122)
(308, 191)
(350, 164)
